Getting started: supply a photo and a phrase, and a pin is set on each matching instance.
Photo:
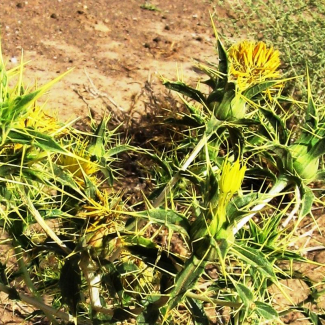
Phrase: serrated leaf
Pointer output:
(210, 188)
(116, 150)
(257, 89)
(244, 293)
(279, 129)
(311, 113)
(256, 259)
(96, 147)
(307, 200)
(186, 90)
(184, 281)
(31, 137)
(169, 218)
(236, 208)
(161, 162)
(266, 311)
(192, 121)
(223, 59)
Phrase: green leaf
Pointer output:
(256, 259)
(116, 150)
(311, 113)
(152, 256)
(169, 218)
(318, 148)
(266, 311)
(185, 280)
(161, 162)
(223, 110)
(279, 129)
(186, 90)
(96, 147)
(198, 314)
(261, 173)
(307, 200)
(244, 293)
(315, 318)
(31, 137)
(223, 60)
(213, 125)
(257, 89)
(194, 120)
(210, 188)
(236, 207)
(237, 141)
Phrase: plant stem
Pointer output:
(42, 223)
(176, 177)
(277, 188)
(93, 278)
(29, 283)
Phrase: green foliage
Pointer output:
(215, 226)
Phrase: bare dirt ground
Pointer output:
(117, 43)
(117, 46)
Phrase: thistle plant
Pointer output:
(214, 229)
(241, 115)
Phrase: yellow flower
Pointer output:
(78, 164)
(253, 62)
(232, 176)
(42, 122)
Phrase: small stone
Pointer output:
(146, 45)
(260, 36)
(20, 5)
(54, 16)
(157, 39)
(167, 27)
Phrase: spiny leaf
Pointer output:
(116, 150)
(307, 200)
(169, 218)
(266, 311)
(279, 130)
(185, 280)
(244, 293)
(198, 314)
(311, 113)
(30, 137)
(257, 89)
(186, 90)
(223, 59)
(255, 259)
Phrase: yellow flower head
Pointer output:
(39, 120)
(253, 62)
(232, 175)
(79, 163)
